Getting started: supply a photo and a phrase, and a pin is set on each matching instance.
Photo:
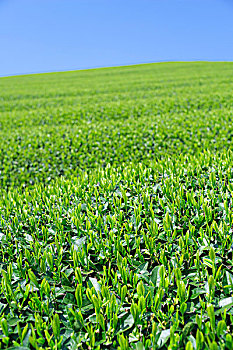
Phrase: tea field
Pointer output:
(57, 124)
(116, 208)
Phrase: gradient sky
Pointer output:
(55, 35)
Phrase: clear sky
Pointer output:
(55, 35)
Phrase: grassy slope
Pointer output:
(138, 256)
(56, 124)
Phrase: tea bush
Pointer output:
(130, 245)
(60, 124)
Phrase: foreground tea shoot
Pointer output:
(129, 257)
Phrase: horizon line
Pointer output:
(114, 66)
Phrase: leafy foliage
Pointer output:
(133, 256)
(58, 124)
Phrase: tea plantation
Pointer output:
(116, 207)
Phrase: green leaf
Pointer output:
(196, 292)
(139, 346)
(163, 337)
(13, 321)
(226, 302)
(155, 277)
(95, 284)
(127, 324)
(33, 278)
(26, 338)
(56, 326)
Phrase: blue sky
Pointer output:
(56, 35)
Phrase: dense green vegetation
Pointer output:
(132, 247)
(58, 124)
